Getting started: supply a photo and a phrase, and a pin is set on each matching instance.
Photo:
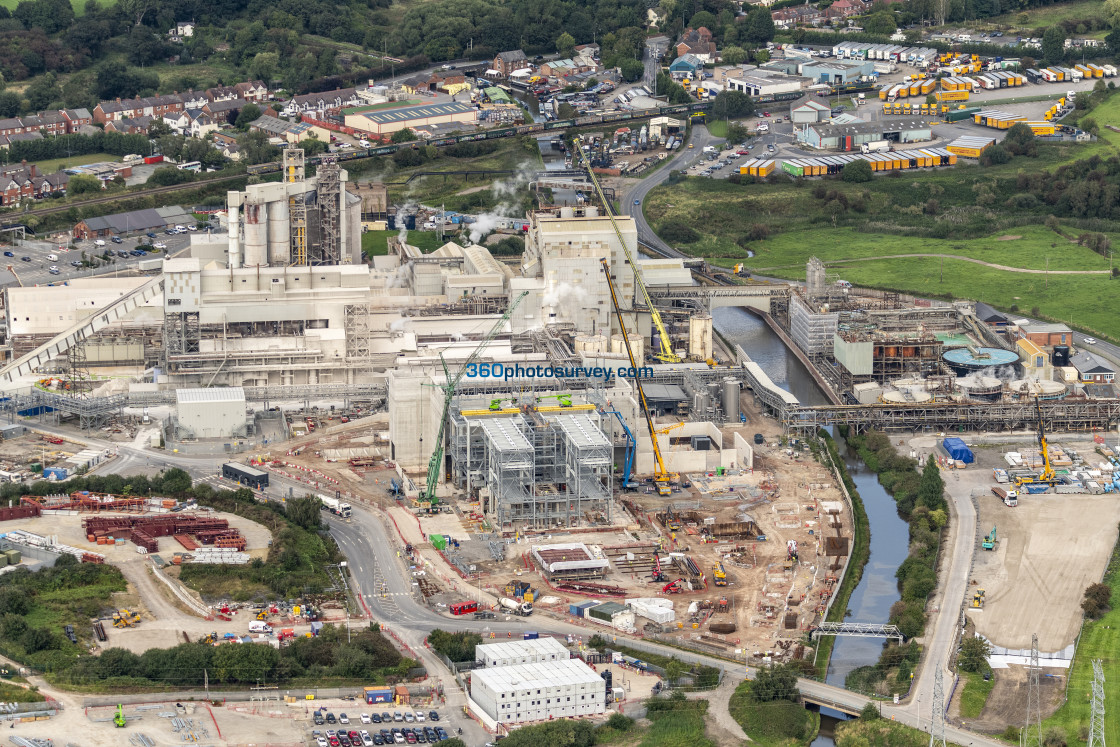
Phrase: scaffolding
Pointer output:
(330, 197)
(530, 468)
(297, 204)
(810, 329)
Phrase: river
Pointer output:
(878, 589)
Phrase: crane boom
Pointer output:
(666, 355)
(660, 474)
(13, 271)
(451, 383)
(1047, 470)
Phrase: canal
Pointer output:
(878, 589)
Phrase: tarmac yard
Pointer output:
(1050, 548)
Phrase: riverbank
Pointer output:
(857, 559)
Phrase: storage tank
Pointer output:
(233, 223)
(256, 235)
(700, 337)
(567, 212)
(597, 343)
(913, 397)
(700, 402)
(591, 212)
(1041, 389)
(730, 399)
(279, 239)
(867, 393)
(618, 346)
(981, 388)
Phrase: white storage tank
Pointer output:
(730, 399)
(700, 337)
(618, 346)
(597, 343)
(279, 240)
(913, 397)
(256, 235)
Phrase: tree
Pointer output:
(732, 105)
(1112, 12)
(264, 65)
(43, 92)
(304, 511)
(631, 69)
(175, 481)
(880, 23)
(737, 133)
(10, 104)
(565, 44)
(995, 155)
(165, 176)
(733, 55)
(674, 670)
(931, 488)
(870, 712)
(313, 146)
(1053, 44)
(1098, 600)
(403, 135)
(249, 113)
(81, 184)
(759, 26)
(974, 654)
(775, 683)
(856, 171)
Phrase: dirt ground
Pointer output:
(1008, 700)
(1051, 547)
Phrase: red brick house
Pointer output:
(697, 42)
(254, 90)
(506, 63)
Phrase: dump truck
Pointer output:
(1009, 497)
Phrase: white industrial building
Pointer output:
(216, 412)
(530, 651)
(538, 692)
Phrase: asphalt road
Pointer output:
(631, 201)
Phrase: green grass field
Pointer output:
(879, 733)
(374, 242)
(79, 5)
(974, 694)
(1040, 18)
(777, 723)
(57, 164)
(1100, 639)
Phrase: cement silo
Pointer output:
(617, 346)
(591, 344)
(256, 234)
(700, 337)
(279, 237)
(233, 201)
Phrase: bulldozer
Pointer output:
(978, 599)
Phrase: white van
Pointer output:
(99, 242)
(259, 626)
(52, 257)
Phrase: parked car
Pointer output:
(25, 259)
(119, 240)
(9, 254)
(150, 235)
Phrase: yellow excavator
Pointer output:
(661, 476)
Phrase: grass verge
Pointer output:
(676, 723)
(975, 694)
(777, 723)
(53, 165)
(1100, 639)
(879, 733)
(374, 243)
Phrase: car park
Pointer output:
(386, 718)
(397, 716)
(365, 719)
(354, 736)
(122, 253)
(420, 716)
(378, 739)
(333, 741)
(344, 740)
(25, 259)
(409, 716)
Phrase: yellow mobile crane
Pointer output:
(666, 355)
(1047, 475)
(661, 476)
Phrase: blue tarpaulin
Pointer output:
(957, 449)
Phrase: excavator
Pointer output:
(990, 540)
(661, 476)
(1047, 475)
(658, 575)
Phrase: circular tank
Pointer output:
(1040, 389)
(256, 235)
(591, 343)
(914, 397)
(617, 346)
(979, 387)
(279, 242)
(968, 360)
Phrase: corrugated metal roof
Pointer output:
(418, 112)
(542, 675)
(212, 394)
(510, 649)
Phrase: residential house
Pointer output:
(191, 122)
(130, 125)
(699, 42)
(154, 106)
(77, 118)
(49, 123)
(224, 111)
(181, 31)
(846, 9)
(1045, 334)
(9, 139)
(685, 66)
(1091, 369)
(995, 320)
(253, 90)
(25, 182)
(321, 103)
(222, 93)
(507, 62)
(799, 15)
(193, 99)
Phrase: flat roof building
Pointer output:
(215, 412)
(386, 121)
(511, 653)
(538, 692)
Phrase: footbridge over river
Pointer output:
(770, 298)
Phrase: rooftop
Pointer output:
(210, 394)
(417, 112)
(540, 675)
(509, 649)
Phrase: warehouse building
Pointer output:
(136, 221)
(538, 692)
(848, 137)
(513, 653)
(837, 72)
(381, 121)
(810, 112)
(217, 412)
(757, 83)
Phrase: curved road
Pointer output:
(700, 138)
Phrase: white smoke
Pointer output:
(506, 192)
(398, 279)
(485, 224)
(398, 326)
(565, 296)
